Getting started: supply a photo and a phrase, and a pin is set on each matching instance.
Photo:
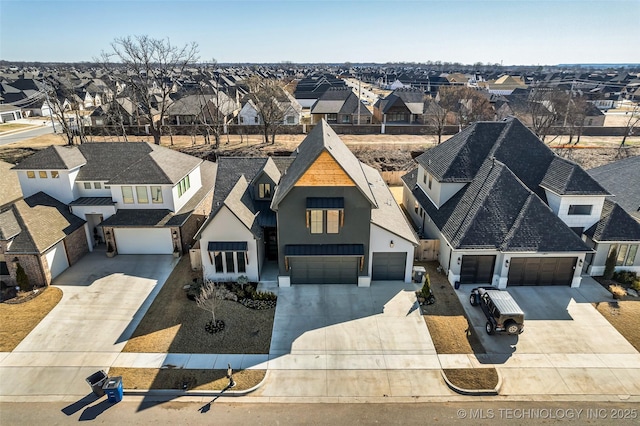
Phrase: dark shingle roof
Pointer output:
(320, 139)
(615, 224)
(496, 211)
(565, 177)
(412, 98)
(53, 158)
(44, 221)
(139, 218)
(621, 178)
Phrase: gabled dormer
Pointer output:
(573, 195)
(264, 183)
(52, 171)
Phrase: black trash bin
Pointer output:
(96, 381)
(113, 389)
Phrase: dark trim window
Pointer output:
(217, 257)
(228, 257)
(580, 209)
(321, 221)
(240, 258)
(264, 190)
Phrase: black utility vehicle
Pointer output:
(502, 312)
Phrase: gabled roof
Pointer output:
(388, 214)
(614, 225)
(54, 158)
(413, 99)
(10, 189)
(44, 221)
(565, 177)
(321, 139)
(240, 203)
(621, 179)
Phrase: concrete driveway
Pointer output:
(567, 347)
(103, 301)
(340, 340)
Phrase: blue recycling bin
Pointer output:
(113, 389)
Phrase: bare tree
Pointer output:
(64, 105)
(436, 117)
(151, 67)
(210, 298)
(267, 95)
(576, 115)
(632, 122)
(545, 106)
(471, 105)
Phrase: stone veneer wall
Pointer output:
(76, 245)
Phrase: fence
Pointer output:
(427, 250)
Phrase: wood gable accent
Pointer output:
(325, 171)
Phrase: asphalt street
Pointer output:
(27, 134)
(222, 412)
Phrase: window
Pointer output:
(156, 194)
(107, 186)
(424, 177)
(291, 119)
(228, 257)
(416, 206)
(255, 119)
(143, 196)
(430, 180)
(31, 174)
(241, 262)
(183, 186)
(346, 119)
(580, 209)
(97, 185)
(330, 220)
(127, 195)
(622, 253)
(316, 221)
(631, 256)
(264, 190)
(332, 117)
(333, 221)
(87, 185)
(241, 120)
(217, 258)
(55, 174)
(43, 174)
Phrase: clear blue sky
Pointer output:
(514, 32)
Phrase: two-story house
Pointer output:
(506, 209)
(137, 197)
(324, 216)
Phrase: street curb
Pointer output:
(178, 393)
(474, 392)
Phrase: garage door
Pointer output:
(323, 270)
(477, 269)
(143, 241)
(57, 259)
(541, 271)
(388, 266)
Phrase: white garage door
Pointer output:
(143, 241)
(57, 259)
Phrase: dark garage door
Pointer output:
(477, 269)
(324, 270)
(541, 270)
(388, 266)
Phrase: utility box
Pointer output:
(113, 389)
(418, 273)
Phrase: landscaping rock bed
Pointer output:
(258, 304)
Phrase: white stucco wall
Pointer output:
(61, 188)
(439, 193)
(380, 242)
(225, 226)
(92, 192)
(195, 182)
(560, 206)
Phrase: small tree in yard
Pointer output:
(22, 279)
(210, 298)
(610, 264)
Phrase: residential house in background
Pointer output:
(506, 210)
(402, 106)
(340, 106)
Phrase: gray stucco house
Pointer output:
(324, 216)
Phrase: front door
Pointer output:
(271, 243)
